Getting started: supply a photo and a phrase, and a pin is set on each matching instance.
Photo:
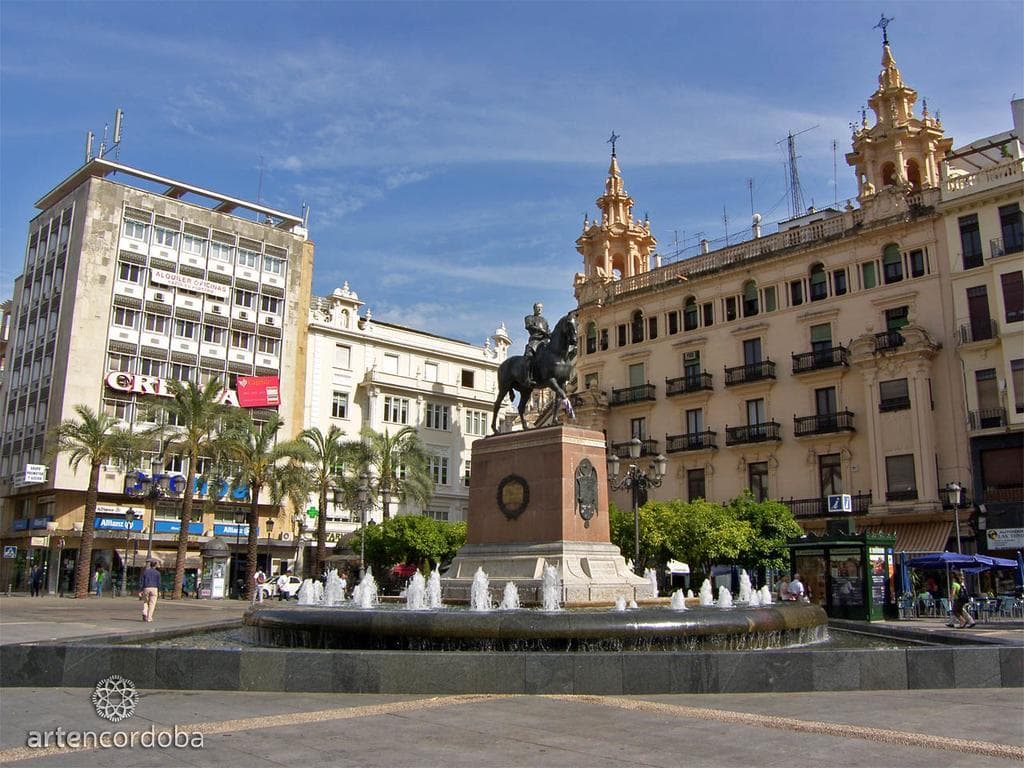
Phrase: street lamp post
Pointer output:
(129, 518)
(240, 516)
(953, 491)
(638, 481)
(297, 519)
(364, 503)
(155, 492)
(270, 559)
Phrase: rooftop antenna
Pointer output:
(118, 123)
(115, 138)
(750, 188)
(796, 202)
(259, 188)
(725, 221)
(305, 215)
(835, 177)
(90, 137)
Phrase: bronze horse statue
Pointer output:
(553, 365)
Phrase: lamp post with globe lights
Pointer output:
(637, 481)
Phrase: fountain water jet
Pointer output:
(706, 597)
(678, 600)
(434, 590)
(334, 594)
(510, 597)
(724, 597)
(416, 593)
(480, 594)
(744, 596)
(365, 592)
(551, 590)
(620, 603)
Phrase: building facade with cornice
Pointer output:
(825, 358)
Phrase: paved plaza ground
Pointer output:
(927, 728)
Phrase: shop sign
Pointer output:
(35, 473)
(174, 526)
(1005, 538)
(21, 524)
(40, 522)
(232, 529)
(259, 391)
(188, 283)
(137, 483)
(131, 383)
(116, 524)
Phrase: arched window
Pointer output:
(749, 298)
(888, 174)
(892, 263)
(637, 327)
(591, 338)
(913, 174)
(819, 283)
(690, 314)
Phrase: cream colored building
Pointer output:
(362, 372)
(130, 280)
(820, 359)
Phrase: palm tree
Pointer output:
(258, 457)
(329, 452)
(96, 438)
(401, 464)
(198, 417)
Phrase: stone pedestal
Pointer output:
(524, 515)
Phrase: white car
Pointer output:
(290, 590)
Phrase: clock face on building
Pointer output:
(513, 496)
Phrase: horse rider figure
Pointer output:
(540, 335)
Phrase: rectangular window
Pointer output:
(181, 372)
(430, 372)
(221, 252)
(245, 299)
(771, 302)
(638, 429)
(131, 273)
(709, 314)
(438, 468)
(893, 395)
(825, 401)
(274, 265)
(917, 265)
(970, 241)
(990, 412)
(901, 485)
(476, 422)
(396, 409)
(339, 405)
(868, 275)
(390, 363)
(672, 321)
(438, 416)
(151, 367)
(156, 323)
(691, 316)
(270, 304)
(268, 345)
(1013, 296)
(652, 328)
(821, 338)
(620, 334)
(1017, 374)
(240, 340)
(636, 375)
(897, 318)
(830, 474)
(126, 318)
(603, 340)
(119, 409)
(796, 293)
(757, 479)
(467, 472)
(249, 259)
(1012, 226)
(695, 488)
(756, 412)
(730, 308)
(194, 246)
(751, 351)
(165, 238)
(691, 367)
(184, 329)
(342, 356)
(839, 286)
(468, 378)
(694, 421)
(123, 363)
(136, 230)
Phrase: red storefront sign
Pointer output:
(258, 391)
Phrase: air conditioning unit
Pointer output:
(269, 321)
(691, 355)
(286, 536)
(215, 309)
(158, 297)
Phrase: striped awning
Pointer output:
(915, 538)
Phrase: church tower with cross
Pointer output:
(901, 152)
(616, 246)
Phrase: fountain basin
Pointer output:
(776, 626)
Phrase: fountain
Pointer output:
(480, 597)
(551, 590)
(334, 593)
(744, 596)
(755, 599)
(416, 593)
(652, 576)
(620, 603)
(510, 597)
(724, 597)
(364, 594)
(678, 601)
(434, 590)
(689, 594)
(706, 598)
(766, 595)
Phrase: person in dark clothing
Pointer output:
(35, 580)
(150, 586)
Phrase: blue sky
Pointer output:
(448, 151)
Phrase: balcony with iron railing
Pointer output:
(647, 448)
(976, 330)
(900, 403)
(691, 441)
(753, 433)
(998, 246)
(819, 507)
(819, 359)
(823, 424)
(744, 374)
(637, 394)
(690, 383)
(887, 340)
(987, 418)
(909, 494)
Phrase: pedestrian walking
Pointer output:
(35, 580)
(258, 580)
(796, 588)
(99, 579)
(960, 598)
(150, 590)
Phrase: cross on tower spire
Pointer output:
(883, 24)
(612, 141)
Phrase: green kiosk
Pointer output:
(850, 575)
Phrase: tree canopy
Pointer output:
(412, 539)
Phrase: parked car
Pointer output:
(290, 590)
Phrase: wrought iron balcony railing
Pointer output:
(823, 423)
(647, 448)
(753, 433)
(821, 358)
(819, 507)
(686, 384)
(692, 441)
(888, 340)
(1000, 247)
(977, 330)
(906, 495)
(636, 394)
(741, 374)
(987, 418)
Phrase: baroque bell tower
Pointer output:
(615, 247)
(900, 152)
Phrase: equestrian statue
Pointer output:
(548, 363)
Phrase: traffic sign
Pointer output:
(10, 553)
